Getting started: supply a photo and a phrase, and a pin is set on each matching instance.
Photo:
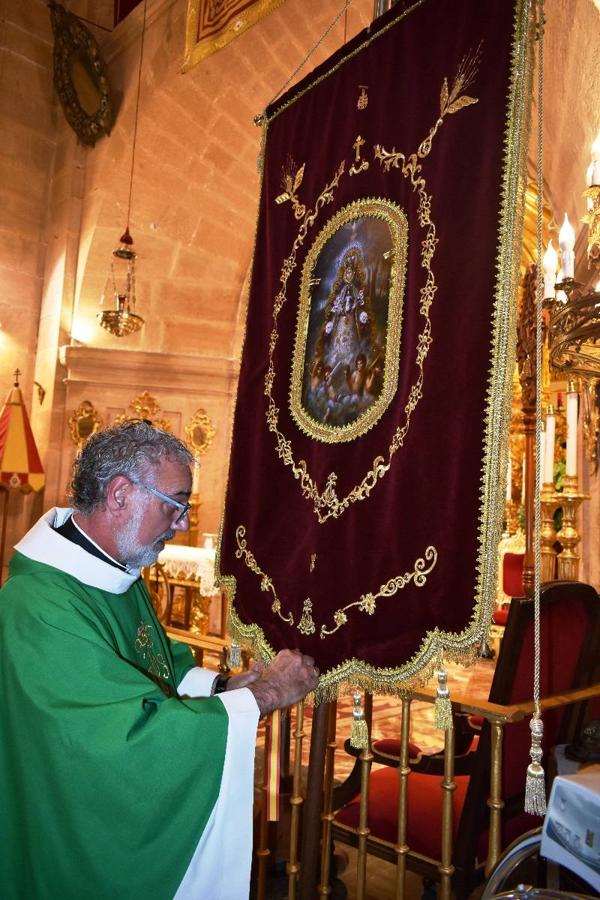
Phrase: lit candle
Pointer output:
(566, 239)
(550, 265)
(509, 479)
(549, 451)
(595, 173)
(196, 477)
(571, 469)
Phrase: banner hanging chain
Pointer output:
(535, 799)
(260, 117)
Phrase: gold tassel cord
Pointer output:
(535, 786)
(235, 656)
(442, 705)
(359, 735)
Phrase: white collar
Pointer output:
(44, 545)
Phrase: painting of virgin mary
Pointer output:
(345, 357)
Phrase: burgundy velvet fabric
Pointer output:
(424, 795)
(431, 495)
(563, 628)
(512, 574)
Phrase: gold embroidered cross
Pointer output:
(356, 168)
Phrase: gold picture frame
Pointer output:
(80, 77)
(83, 423)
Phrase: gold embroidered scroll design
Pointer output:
(367, 603)
(144, 646)
(327, 503)
(266, 584)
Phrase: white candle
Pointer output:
(509, 479)
(196, 477)
(550, 265)
(549, 451)
(566, 239)
(595, 165)
(571, 469)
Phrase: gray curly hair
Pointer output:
(132, 449)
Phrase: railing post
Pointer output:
(495, 802)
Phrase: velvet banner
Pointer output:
(212, 24)
(366, 483)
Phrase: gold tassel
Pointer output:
(442, 705)
(359, 735)
(235, 656)
(535, 786)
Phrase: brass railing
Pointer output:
(498, 716)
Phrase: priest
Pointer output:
(125, 771)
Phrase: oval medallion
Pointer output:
(347, 347)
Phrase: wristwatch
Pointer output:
(219, 684)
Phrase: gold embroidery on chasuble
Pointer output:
(144, 646)
(347, 347)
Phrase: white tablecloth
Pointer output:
(191, 564)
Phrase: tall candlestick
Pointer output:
(549, 451)
(566, 239)
(572, 398)
(509, 478)
(550, 266)
(523, 482)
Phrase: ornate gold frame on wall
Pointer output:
(200, 432)
(145, 406)
(83, 423)
(80, 77)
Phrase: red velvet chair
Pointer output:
(570, 634)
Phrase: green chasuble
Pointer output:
(107, 777)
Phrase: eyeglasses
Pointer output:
(184, 507)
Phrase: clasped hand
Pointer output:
(288, 678)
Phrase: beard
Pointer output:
(134, 554)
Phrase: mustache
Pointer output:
(167, 536)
